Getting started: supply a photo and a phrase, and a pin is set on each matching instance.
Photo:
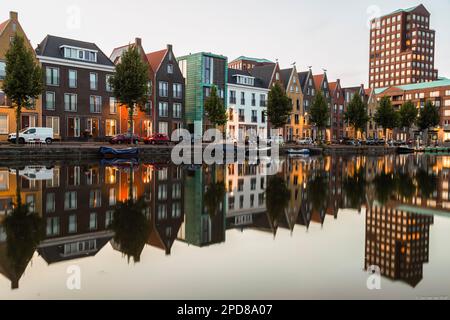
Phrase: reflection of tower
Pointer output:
(202, 228)
(398, 243)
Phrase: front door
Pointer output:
(73, 127)
(92, 126)
(28, 121)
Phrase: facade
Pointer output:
(402, 48)
(246, 106)
(293, 130)
(143, 124)
(321, 84)
(372, 130)
(77, 101)
(438, 92)
(337, 111)
(202, 71)
(246, 63)
(306, 79)
(169, 102)
(30, 117)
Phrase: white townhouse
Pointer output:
(247, 106)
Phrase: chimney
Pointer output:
(169, 47)
(138, 42)
(13, 15)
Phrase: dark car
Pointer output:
(125, 138)
(157, 138)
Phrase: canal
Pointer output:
(315, 227)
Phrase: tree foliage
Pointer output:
(24, 78)
(215, 109)
(428, 117)
(320, 112)
(130, 82)
(385, 116)
(279, 107)
(356, 114)
(408, 115)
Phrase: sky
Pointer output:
(330, 35)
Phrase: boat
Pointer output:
(120, 163)
(303, 152)
(111, 153)
(405, 150)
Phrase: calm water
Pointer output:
(158, 231)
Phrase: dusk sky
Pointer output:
(333, 35)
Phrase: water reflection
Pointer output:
(67, 211)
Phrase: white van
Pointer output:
(33, 134)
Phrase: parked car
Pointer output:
(305, 141)
(157, 138)
(125, 138)
(33, 134)
(276, 140)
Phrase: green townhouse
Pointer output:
(202, 71)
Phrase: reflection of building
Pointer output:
(202, 228)
(398, 243)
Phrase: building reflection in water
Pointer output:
(84, 207)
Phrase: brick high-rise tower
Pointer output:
(402, 48)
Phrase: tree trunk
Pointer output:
(130, 119)
(18, 116)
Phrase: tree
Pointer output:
(24, 78)
(319, 113)
(214, 197)
(386, 116)
(428, 117)
(279, 107)
(215, 109)
(130, 82)
(277, 199)
(408, 115)
(356, 114)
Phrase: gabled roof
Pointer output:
(257, 60)
(303, 76)
(332, 86)
(318, 80)
(265, 73)
(3, 26)
(156, 58)
(51, 47)
(285, 76)
(232, 73)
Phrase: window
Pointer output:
(52, 122)
(93, 78)
(4, 124)
(73, 78)
(112, 197)
(176, 210)
(163, 128)
(96, 104)
(262, 100)
(163, 89)
(162, 212)
(242, 98)
(112, 105)
(3, 101)
(50, 102)
(52, 226)
(208, 71)
(254, 116)
(70, 102)
(95, 199)
(170, 68)
(72, 223)
(80, 54)
(232, 97)
(241, 115)
(176, 191)
(2, 70)
(177, 91)
(50, 205)
(108, 82)
(93, 221)
(52, 76)
(162, 192)
(109, 218)
(163, 109)
(177, 110)
(70, 200)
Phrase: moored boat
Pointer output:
(298, 152)
(111, 153)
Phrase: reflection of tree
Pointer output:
(131, 227)
(24, 231)
(355, 189)
(318, 191)
(384, 187)
(214, 195)
(427, 183)
(405, 186)
(277, 198)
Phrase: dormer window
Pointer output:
(80, 54)
(248, 81)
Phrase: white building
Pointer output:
(247, 106)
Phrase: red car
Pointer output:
(125, 138)
(157, 138)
